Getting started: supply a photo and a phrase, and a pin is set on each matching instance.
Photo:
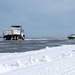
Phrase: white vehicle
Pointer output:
(72, 36)
(15, 33)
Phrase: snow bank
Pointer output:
(48, 61)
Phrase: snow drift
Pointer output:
(48, 61)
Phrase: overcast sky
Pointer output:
(39, 18)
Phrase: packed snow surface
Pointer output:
(48, 61)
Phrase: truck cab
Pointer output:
(71, 36)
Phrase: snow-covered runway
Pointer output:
(48, 61)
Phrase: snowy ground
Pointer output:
(49, 61)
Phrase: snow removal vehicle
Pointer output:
(14, 33)
(71, 36)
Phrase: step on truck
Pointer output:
(14, 33)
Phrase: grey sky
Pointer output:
(39, 18)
